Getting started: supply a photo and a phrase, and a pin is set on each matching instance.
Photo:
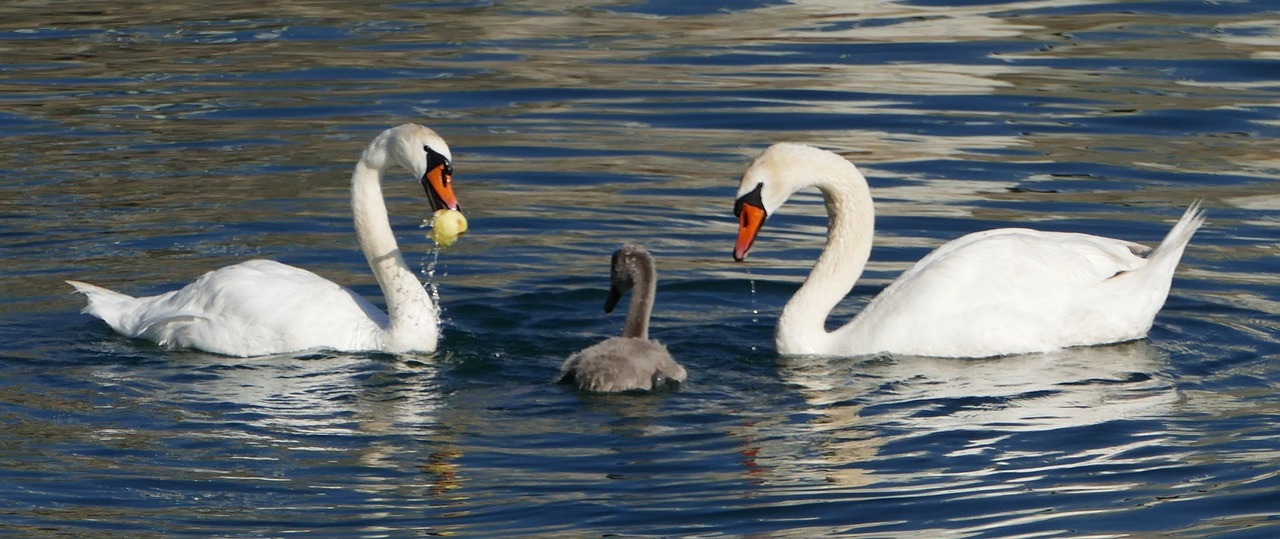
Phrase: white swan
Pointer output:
(990, 293)
(262, 307)
(630, 362)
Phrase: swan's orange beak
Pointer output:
(751, 215)
(438, 182)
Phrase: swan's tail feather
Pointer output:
(105, 304)
(99, 297)
(1169, 252)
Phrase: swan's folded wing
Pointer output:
(271, 293)
(171, 329)
(258, 305)
(1005, 286)
(1025, 258)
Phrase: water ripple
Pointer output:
(145, 147)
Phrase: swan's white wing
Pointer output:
(258, 307)
(1001, 291)
(1077, 258)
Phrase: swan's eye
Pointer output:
(438, 160)
(752, 198)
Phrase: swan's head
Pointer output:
(629, 263)
(426, 154)
(773, 176)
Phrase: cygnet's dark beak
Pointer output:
(615, 295)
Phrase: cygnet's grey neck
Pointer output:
(635, 270)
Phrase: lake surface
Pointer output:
(146, 144)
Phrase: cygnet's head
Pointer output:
(631, 263)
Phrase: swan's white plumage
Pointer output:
(989, 293)
(227, 312)
(263, 307)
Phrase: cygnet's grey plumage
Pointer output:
(631, 362)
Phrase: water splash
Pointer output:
(428, 270)
(755, 307)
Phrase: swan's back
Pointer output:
(244, 310)
(622, 364)
(1018, 291)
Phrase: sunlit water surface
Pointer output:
(146, 143)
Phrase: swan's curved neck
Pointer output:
(642, 296)
(850, 230)
(410, 309)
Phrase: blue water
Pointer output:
(146, 145)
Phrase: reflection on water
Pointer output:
(856, 406)
(1073, 387)
(329, 395)
(146, 145)
(355, 409)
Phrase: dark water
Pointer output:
(146, 143)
